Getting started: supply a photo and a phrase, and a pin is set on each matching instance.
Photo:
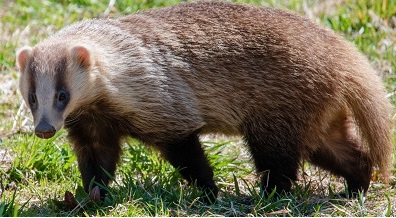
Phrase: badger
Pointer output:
(291, 89)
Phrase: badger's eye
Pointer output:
(32, 100)
(62, 98)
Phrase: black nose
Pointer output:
(44, 130)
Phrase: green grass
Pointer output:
(35, 173)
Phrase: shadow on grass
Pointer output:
(140, 198)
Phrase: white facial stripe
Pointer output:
(45, 95)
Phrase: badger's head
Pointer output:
(52, 82)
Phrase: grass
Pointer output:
(35, 174)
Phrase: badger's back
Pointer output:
(240, 61)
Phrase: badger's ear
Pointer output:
(80, 55)
(22, 57)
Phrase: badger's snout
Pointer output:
(44, 130)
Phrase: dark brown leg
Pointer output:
(356, 169)
(342, 155)
(277, 168)
(95, 156)
(276, 155)
(188, 157)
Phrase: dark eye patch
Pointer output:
(31, 78)
(32, 100)
(62, 95)
(61, 99)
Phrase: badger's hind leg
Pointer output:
(341, 153)
(188, 157)
(275, 152)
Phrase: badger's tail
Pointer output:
(373, 114)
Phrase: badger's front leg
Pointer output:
(97, 156)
